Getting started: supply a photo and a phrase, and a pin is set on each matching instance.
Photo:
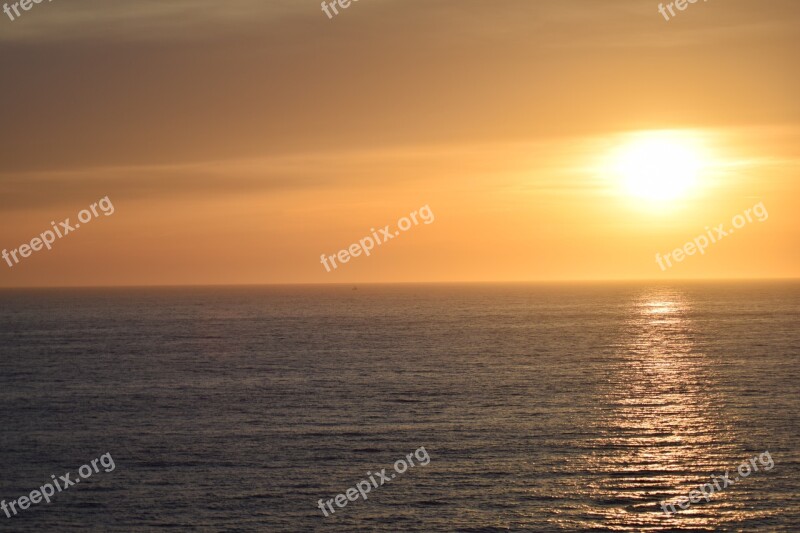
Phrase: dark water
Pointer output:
(543, 408)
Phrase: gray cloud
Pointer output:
(142, 20)
(109, 83)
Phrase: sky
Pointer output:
(239, 141)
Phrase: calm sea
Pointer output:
(542, 407)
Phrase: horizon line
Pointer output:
(386, 283)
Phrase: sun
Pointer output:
(659, 165)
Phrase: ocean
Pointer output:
(543, 407)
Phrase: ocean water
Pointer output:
(542, 407)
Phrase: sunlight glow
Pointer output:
(659, 165)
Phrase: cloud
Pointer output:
(37, 190)
(106, 83)
(143, 20)
(21, 191)
(446, 166)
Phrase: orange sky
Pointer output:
(240, 140)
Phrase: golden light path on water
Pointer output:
(662, 431)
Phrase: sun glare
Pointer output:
(659, 165)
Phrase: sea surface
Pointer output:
(542, 407)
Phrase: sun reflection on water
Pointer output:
(660, 427)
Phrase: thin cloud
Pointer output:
(142, 20)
